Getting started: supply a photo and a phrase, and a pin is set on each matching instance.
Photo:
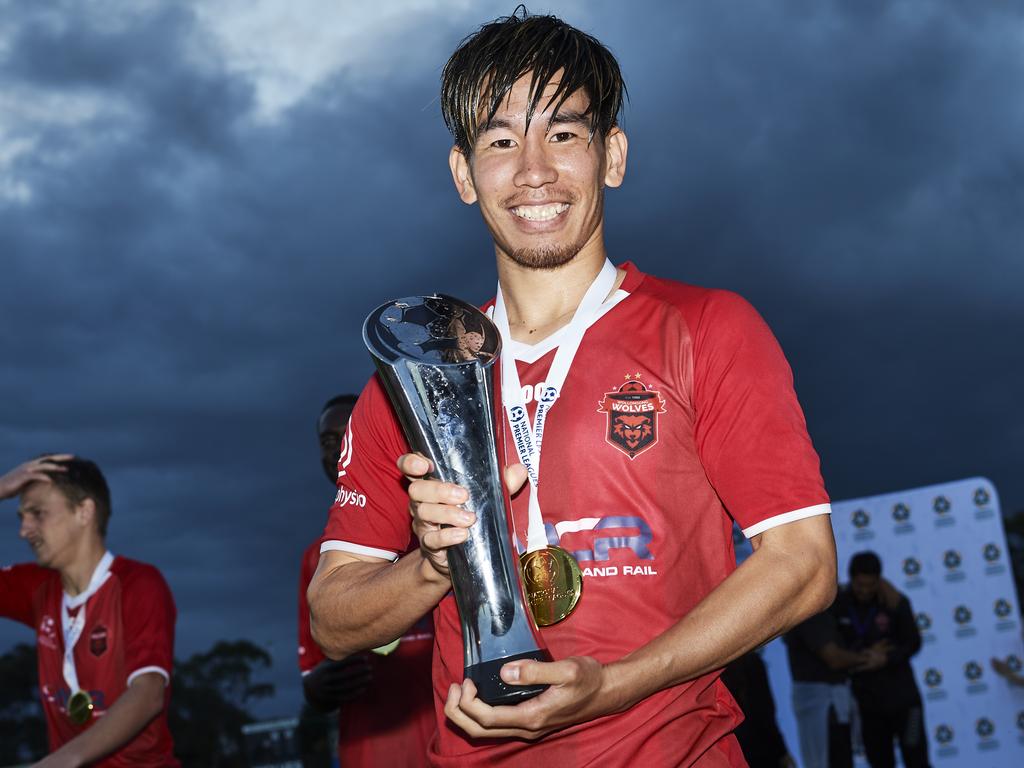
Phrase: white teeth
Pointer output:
(540, 212)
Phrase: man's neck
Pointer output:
(75, 576)
(541, 301)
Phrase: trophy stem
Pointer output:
(495, 691)
(444, 400)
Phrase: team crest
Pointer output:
(98, 640)
(632, 412)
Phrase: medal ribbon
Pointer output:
(73, 628)
(528, 438)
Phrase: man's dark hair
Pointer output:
(348, 400)
(865, 564)
(486, 65)
(81, 480)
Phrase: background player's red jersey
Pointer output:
(392, 723)
(129, 630)
(644, 497)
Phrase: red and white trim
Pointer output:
(357, 549)
(146, 670)
(787, 517)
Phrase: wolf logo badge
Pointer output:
(632, 412)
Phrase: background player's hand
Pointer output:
(575, 696)
(12, 483)
(438, 520)
(332, 683)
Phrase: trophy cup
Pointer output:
(435, 355)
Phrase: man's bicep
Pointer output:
(331, 568)
(809, 538)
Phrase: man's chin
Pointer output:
(546, 257)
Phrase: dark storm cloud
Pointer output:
(185, 285)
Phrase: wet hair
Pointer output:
(485, 66)
(81, 480)
(865, 564)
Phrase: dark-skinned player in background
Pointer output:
(383, 698)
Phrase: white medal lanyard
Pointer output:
(73, 628)
(527, 437)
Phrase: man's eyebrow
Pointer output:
(494, 123)
(563, 117)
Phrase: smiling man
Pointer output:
(674, 416)
(104, 624)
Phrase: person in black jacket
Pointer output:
(887, 698)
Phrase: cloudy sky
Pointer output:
(201, 201)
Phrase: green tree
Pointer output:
(22, 727)
(210, 693)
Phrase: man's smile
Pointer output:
(540, 212)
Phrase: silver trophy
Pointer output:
(435, 355)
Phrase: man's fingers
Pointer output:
(436, 492)
(441, 514)
(412, 465)
(443, 538)
(540, 673)
(515, 477)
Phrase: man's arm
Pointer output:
(143, 701)
(349, 592)
(906, 635)
(790, 576)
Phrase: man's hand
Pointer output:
(438, 521)
(332, 683)
(32, 471)
(579, 691)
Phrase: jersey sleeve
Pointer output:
(309, 652)
(750, 429)
(370, 512)
(148, 620)
(18, 585)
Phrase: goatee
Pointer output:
(548, 257)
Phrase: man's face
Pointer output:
(541, 191)
(50, 524)
(331, 429)
(864, 587)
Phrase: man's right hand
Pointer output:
(332, 683)
(438, 521)
(31, 471)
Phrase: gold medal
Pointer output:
(553, 582)
(80, 708)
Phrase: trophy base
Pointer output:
(491, 689)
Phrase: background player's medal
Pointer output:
(80, 708)
(553, 582)
(435, 356)
(387, 648)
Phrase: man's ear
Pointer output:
(615, 150)
(461, 175)
(85, 512)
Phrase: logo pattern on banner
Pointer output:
(952, 564)
(632, 411)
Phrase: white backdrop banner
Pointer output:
(944, 547)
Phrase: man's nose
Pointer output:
(535, 166)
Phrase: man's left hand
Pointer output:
(575, 695)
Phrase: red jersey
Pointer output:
(129, 631)
(677, 417)
(392, 723)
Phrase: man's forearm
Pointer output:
(789, 578)
(356, 604)
(140, 703)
